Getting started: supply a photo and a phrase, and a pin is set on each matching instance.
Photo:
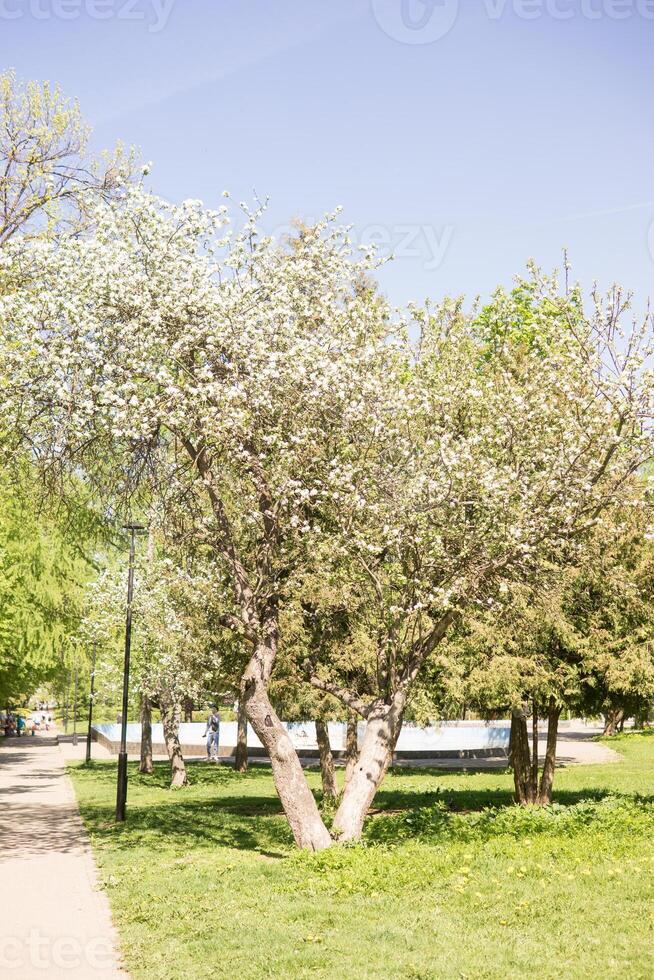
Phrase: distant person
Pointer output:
(20, 725)
(212, 735)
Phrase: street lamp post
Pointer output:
(88, 734)
(121, 792)
(75, 708)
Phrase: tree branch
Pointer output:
(351, 700)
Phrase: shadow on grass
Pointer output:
(221, 808)
(226, 809)
(188, 825)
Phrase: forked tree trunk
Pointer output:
(145, 764)
(329, 790)
(297, 799)
(383, 726)
(351, 745)
(612, 720)
(170, 715)
(384, 722)
(382, 730)
(529, 790)
(241, 757)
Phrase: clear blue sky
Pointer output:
(517, 131)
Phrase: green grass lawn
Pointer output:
(451, 880)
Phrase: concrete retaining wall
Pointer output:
(457, 739)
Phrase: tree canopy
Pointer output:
(314, 441)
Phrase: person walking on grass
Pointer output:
(212, 735)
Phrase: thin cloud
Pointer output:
(604, 212)
(244, 63)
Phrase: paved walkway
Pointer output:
(54, 922)
(575, 746)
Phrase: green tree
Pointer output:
(44, 566)
(614, 607)
(580, 638)
(47, 177)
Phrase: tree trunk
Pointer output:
(547, 776)
(170, 715)
(241, 757)
(145, 765)
(351, 745)
(534, 744)
(297, 799)
(526, 790)
(382, 731)
(612, 719)
(329, 790)
(641, 717)
(512, 733)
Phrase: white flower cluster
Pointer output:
(277, 405)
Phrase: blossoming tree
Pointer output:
(174, 652)
(278, 409)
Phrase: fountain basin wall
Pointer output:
(449, 739)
